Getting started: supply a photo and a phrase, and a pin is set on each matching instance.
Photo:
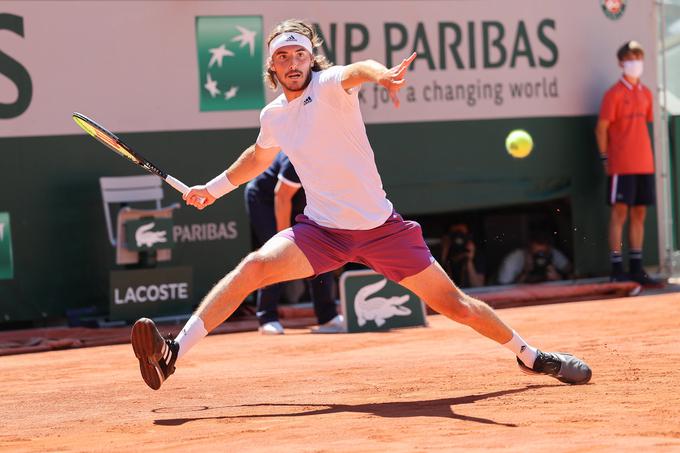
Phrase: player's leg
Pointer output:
(434, 287)
(397, 250)
(278, 260)
(438, 291)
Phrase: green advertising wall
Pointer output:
(62, 256)
(674, 133)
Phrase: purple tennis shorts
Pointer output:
(395, 249)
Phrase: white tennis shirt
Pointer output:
(323, 134)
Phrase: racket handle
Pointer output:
(179, 186)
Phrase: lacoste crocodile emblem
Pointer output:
(378, 309)
(145, 237)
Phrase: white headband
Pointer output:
(289, 39)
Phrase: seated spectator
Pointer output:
(539, 261)
(459, 257)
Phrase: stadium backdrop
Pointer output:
(182, 84)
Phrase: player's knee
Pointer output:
(253, 266)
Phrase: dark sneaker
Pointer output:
(646, 281)
(563, 367)
(619, 277)
(156, 355)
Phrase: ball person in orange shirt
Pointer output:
(626, 151)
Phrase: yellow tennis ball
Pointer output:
(519, 143)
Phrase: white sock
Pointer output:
(192, 333)
(526, 353)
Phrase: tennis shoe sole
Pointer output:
(147, 344)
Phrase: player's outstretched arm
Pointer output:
(371, 71)
(253, 161)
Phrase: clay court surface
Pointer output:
(440, 388)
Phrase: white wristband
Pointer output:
(220, 185)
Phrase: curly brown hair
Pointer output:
(295, 26)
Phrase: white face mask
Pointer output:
(633, 68)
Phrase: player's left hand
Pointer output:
(393, 78)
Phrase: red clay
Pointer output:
(440, 388)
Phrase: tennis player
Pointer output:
(317, 121)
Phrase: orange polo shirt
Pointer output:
(628, 109)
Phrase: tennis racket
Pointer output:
(115, 144)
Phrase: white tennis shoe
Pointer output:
(335, 325)
(271, 328)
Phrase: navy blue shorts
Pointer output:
(632, 190)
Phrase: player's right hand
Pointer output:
(198, 197)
